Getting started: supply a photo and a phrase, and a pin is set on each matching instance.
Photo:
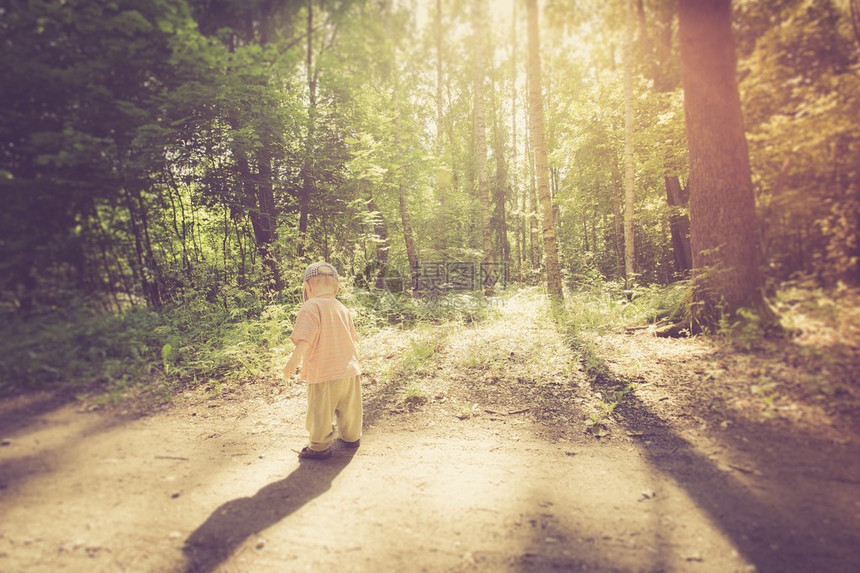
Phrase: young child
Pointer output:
(325, 338)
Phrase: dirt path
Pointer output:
(475, 458)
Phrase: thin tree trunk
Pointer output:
(224, 241)
(241, 279)
(173, 187)
(128, 286)
(679, 225)
(443, 181)
(585, 241)
(481, 132)
(726, 273)
(439, 82)
(380, 231)
(268, 241)
(402, 189)
(629, 241)
(148, 285)
(102, 244)
(519, 219)
(618, 224)
(499, 221)
(307, 174)
(181, 235)
(534, 208)
(553, 271)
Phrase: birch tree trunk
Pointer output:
(553, 271)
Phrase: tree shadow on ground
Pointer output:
(784, 507)
(235, 521)
(378, 403)
(25, 410)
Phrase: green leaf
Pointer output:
(166, 351)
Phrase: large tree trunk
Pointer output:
(553, 271)
(726, 273)
(629, 243)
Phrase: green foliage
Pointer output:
(159, 153)
(800, 72)
(746, 328)
(598, 423)
(82, 82)
(181, 346)
(166, 352)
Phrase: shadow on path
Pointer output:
(794, 509)
(231, 524)
(18, 412)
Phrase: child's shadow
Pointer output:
(237, 520)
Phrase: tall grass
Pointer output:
(607, 307)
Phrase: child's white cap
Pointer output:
(321, 269)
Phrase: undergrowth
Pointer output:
(608, 306)
(172, 348)
(195, 343)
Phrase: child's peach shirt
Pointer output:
(327, 327)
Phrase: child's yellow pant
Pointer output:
(336, 400)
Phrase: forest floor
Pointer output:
(496, 446)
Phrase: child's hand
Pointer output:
(295, 359)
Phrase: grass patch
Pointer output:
(416, 358)
(607, 307)
(414, 397)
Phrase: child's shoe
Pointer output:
(309, 454)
